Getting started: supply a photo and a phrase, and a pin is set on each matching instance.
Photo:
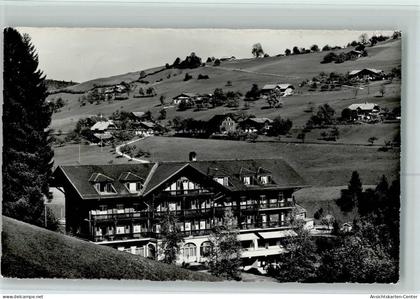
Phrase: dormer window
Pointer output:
(133, 187)
(105, 188)
(264, 179)
(131, 181)
(222, 180)
(102, 183)
(246, 180)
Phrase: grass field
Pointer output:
(32, 252)
(243, 73)
(319, 164)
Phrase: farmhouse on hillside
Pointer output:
(122, 206)
(284, 89)
(354, 54)
(103, 126)
(367, 74)
(256, 124)
(188, 97)
(222, 123)
(364, 111)
(146, 128)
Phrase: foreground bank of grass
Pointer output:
(33, 252)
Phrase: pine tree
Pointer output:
(27, 153)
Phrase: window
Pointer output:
(133, 187)
(206, 248)
(247, 180)
(189, 250)
(103, 207)
(120, 230)
(264, 179)
(137, 228)
(172, 206)
(105, 188)
(219, 180)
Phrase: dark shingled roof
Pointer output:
(79, 177)
(155, 174)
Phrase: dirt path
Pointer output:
(118, 151)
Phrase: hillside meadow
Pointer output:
(243, 73)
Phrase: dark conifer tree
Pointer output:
(27, 153)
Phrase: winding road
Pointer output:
(118, 151)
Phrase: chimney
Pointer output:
(193, 156)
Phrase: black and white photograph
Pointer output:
(211, 155)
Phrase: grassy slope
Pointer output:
(243, 73)
(32, 252)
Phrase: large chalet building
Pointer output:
(122, 205)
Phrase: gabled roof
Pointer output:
(281, 86)
(217, 119)
(148, 124)
(79, 176)
(97, 177)
(270, 86)
(284, 86)
(186, 94)
(262, 170)
(105, 135)
(375, 71)
(138, 114)
(128, 176)
(363, 106)
(83, 177)
(102, 125)
(261, 120)
(244, 171)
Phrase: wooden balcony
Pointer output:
(120, 216)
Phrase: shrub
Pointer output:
(187, 77)
(202, 77)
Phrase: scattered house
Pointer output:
(256, 124)
(354, 54)
(102, 138)
(120, 88)
(121, 206)
(222, 123)
(188, 97)
(103, 126)
(285, 89)
(367, 74)
(138, 116)
(364, 111)
(147, 128)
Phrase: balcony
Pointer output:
(121, 237)
(189, 192)
(119, 216)
(267, 224)
(276, 205)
